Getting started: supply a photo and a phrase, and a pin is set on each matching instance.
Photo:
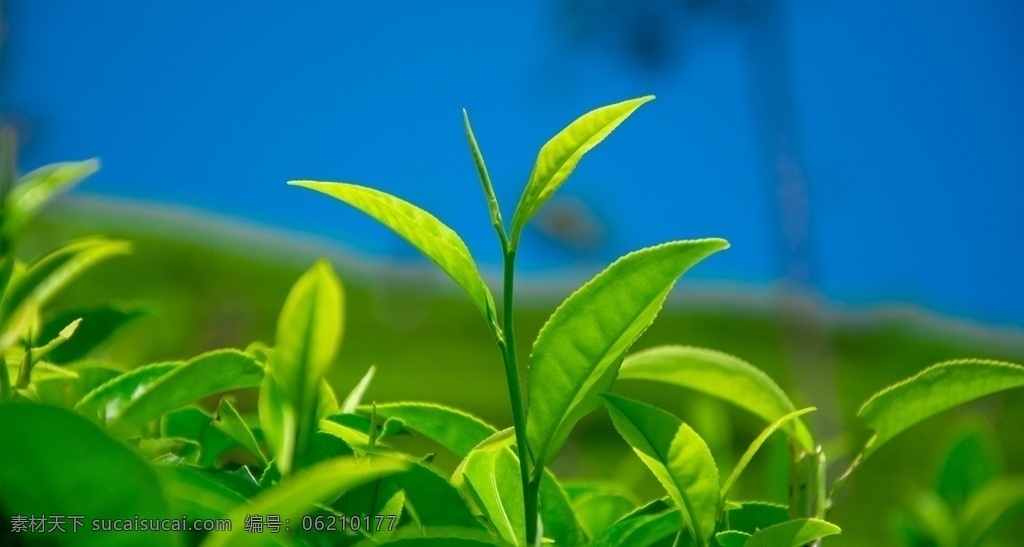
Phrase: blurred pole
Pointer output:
(805, 336)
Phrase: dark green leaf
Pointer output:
(732, 538)
(58, 463)
(641, 531)
(300, 492)
(752, 516)
(230, 422)
(98, 325)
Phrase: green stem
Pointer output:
(515, 393)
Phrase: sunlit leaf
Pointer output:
(36, 188)
(937, 388)
(493, 477)
(559, 156)
(755, 446)
(719, 375)
(208, 374)
(678, 458)
(437, 241)
(230, 422)
(355, 397)
(105, 402)
(453, 429)
(45, 278)
(794, 533)
(577, 353)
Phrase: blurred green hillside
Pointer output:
(206, 284)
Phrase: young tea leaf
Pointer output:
(38, 187)
(309, 333)
(355, 397)
(453, 429)
(559, 156)
(937, 388)
(437, 241)
(493, 478)
(598, 507)
(577, 353)
(45, 278)
(98, 325)
(230, 422)
(794, 533)
(719, 375)
(299, 493)
(678, 458)
(208, 374)
(755, 446)
(278, 422)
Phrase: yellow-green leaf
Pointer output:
(719, 375)
(678, 458)
(559, 156)
(793, 533)
(425, 232)
(577, 353)
(937, 388)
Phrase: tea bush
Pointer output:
(252, 446)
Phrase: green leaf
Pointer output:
(195, 424)
(193, 493)
(678, 458)
(38, 187)
(98, 325)
(752, 516)
(642, 530)
(309, 333)
(493, 478)
(453, 429)
(45, 278)
(57, 463)
(278, 422)
(559, 156)
(598, 506)
(972, 460)
(300, 492)
(732, 538)
(355, 397)
(755, 446)
(437, 241)
(434, 501)
(719, 375)
(794, 533)
(932, 518)
(556, 512)
(208, 374)
(987, 506)
(436, 537)
(230, 422)
(937, 388)
(88, 375)
(578, 351)
(107, 401)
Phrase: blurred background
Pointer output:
(865, 160)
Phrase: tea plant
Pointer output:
(257, 444)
